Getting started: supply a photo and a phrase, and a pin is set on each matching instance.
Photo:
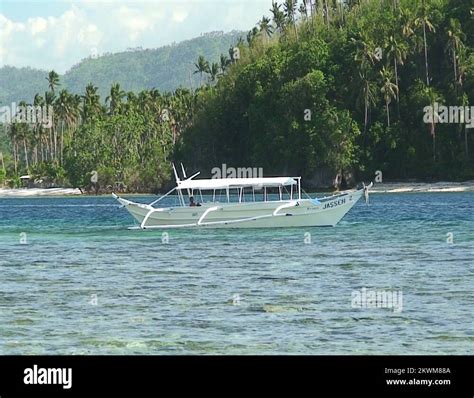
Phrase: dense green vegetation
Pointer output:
(361, 71)
(312, 91)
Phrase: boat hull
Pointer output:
(273, 214)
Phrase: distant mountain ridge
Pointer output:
(165, 68)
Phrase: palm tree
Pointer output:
(341, 5)
(115, 98)
(398, 52)
(202, 66)
(213, 72)
(224, 63)
(265, 27)
(251, 35)
(368, 96)
(278, 17)
(131, 103)
(407, 22)
(53, 80)
(63, 114)
(21, 135)
(67, 112)
(155, 94)
(424, 22)
(38, 101)
(465, 103)
(433, 97)
(90, 102)
(181, 106)
(303, 10)
(76, 107)
(364, 53)
(49, 99)
(13, 134)
(290, 10)
(231, 54)
(463, 62)
(389, 90)
(3, 165)
(145, 101)
(455, 38)
(326, 11)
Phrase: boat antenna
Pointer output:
(184, 171)
(175, 173)
(184, 175)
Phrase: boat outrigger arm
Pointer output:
(200, 222)
(292, 211)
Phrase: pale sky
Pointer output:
(57, 34)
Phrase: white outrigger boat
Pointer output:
(241, 207)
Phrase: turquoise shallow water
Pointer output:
(75, 280)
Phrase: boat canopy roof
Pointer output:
(224, 183)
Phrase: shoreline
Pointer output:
(33, 192)
(423, 187)
(389, 187)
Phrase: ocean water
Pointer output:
(75, 280)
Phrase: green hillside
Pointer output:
(165, 68)
(18, 84)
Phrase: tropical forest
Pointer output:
(332, 91)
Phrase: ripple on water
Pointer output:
(85, 284)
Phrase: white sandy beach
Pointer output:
(24, 192)
(390, 187)
(399, 187)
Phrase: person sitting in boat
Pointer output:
(192, 203)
